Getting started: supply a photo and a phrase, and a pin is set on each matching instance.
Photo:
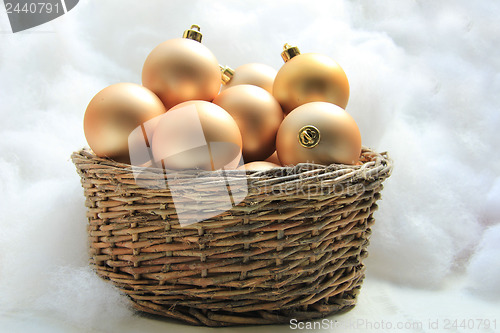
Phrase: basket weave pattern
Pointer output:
(294, 248)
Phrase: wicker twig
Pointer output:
(293, 248)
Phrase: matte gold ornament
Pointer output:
(259, 166)
(318, 132)
(182, 69)
(114, 113)
(309, 77)
(256, 74)
(258, 116)
(197, 135)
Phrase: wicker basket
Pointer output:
(277, 255)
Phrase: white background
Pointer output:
(425, 85)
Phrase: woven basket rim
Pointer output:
(373, 165)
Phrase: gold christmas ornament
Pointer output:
(197, 135)
(258, 166)
(182, 69)
(114, 113)
(318, 132)
(256, 74)
(309, 77)
(258, 116)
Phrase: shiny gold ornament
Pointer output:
(182, 69)
(259, 75)
(318, 132)
(259, 166)
(258, 116)
(197, 135)
(114, 113)
(309, 77)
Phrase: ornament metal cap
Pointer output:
(193, 33)
(227, 73)
(289, 52)
(309, 136)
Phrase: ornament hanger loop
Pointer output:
(193, 33)
(289, 52)
(227, 74)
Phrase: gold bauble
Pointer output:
(256, 74)
(114, 113)
(197, 135)
(180, 70)
(310, 77)
(258, 116)
(318, 132)
(259, 166)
